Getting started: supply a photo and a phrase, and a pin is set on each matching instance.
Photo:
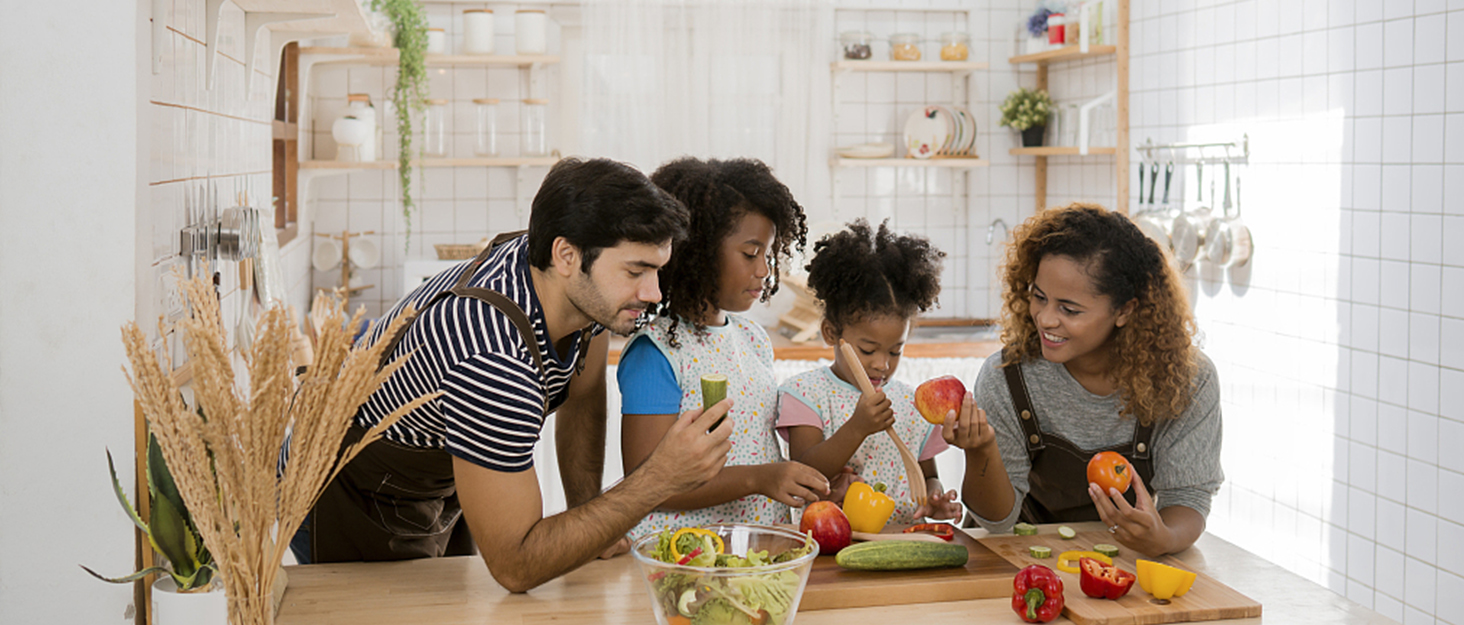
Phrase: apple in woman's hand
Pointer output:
(938, 397)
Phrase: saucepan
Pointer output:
(1228, 242)
(1149, 219)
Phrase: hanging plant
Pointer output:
(409, 96)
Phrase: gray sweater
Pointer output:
(1186, 450)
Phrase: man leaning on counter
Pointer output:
(508, 338)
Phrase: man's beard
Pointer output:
(584, 295)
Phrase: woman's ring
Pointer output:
(1113, 529)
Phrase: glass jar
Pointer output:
(530, 31)
(535, 119)
(954, 46)
(436, 41)
(856, 44)
(434, 129)
(905, 47)
(478, 31)
(487, 109)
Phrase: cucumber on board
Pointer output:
(900, 555)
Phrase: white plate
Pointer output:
(364, 253)
(968, 131)
(868, 150)
(925, 132)
(327, 255)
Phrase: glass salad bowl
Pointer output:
(725, 574)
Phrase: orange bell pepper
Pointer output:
(867, 507)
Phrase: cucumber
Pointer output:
(1025, 529)
(1039, 551)
(1106, 549)
(900, 555)
(1066, 532)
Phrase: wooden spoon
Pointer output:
(912, 465)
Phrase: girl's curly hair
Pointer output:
(718, 193)
(860, 274)
(1155, 355)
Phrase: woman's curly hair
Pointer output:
(718, 193)
(858, 274)
(1155, 355)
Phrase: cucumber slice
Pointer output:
(1025, 529)
(1106, 549)
(1067, 532)
(1038, 551)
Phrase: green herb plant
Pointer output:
(169, 529)
(409, 96)
(1026, 108)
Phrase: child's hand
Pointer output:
(792, 483)
(839, 485)
(939, 506)
(872, 415)
(968, 430)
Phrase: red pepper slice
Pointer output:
(943, 531)
(1037, 594)
(687, 558)
(1104, 581)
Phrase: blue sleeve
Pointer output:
(647, 383)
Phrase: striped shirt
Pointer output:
(493, 402)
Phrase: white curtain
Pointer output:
(712, 79)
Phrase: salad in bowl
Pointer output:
(725, 574)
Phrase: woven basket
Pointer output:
(459, 251)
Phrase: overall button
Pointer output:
(1034, 438)
(1142, 447)
(1026, 414)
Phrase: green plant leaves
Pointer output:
(1025, 108)
(122, 497)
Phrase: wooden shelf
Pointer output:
(949, 162)
(1066, 53)
(389, 56)
(1060, 151)
(531, 161)
(348, 164)
(908, 66)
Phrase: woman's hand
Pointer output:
(792, 483)
(941, 506)
(968, 430)
(1137, 527)
(873, 414)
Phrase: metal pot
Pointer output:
(1230, 243)
(1150, 221)
(1190, 229)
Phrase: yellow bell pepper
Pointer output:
(699, 532)
(868, 509)
(1164, 581)
(1067, 562)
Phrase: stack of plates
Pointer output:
(940, 131)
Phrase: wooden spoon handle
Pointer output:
(912, 465)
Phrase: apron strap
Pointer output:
(1022, 401)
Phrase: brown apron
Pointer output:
(1058, 479)
(396, 502)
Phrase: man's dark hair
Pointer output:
(600, 203)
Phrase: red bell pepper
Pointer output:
(1037, 594)
(1104, 581)
(687, 558)
(943, 531)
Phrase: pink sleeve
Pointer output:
(793, 412)
(933, 445)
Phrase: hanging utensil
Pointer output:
(1150, 221)
(1188, 235)
(1231, 245)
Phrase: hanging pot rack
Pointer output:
(1234, 151)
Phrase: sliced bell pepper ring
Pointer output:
(696, 531)
(1104, 581)
(1067, 561)
(943, 531)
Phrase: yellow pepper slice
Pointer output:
(1164, 581)
(696, 531)
(1067, 561)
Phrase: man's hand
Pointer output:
(792, 483)
(688, 455)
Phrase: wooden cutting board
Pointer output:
(1207, 599)
(985, 576)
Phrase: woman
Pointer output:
(1099, 356)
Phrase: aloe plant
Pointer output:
(170, 529)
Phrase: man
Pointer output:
(598, 233)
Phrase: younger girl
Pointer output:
(872, 285)
(743, 224)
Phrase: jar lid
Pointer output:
(485, 100)
(535, 101)
(477, 10)
(358, 97)
(437, 101)
(440, 30)
(529, 11)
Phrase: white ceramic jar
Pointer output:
(478, 31)
(355, 131)
(530, 32)
(436, 41)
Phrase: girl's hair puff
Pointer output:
(858, 273)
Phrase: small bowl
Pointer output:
(666, 582)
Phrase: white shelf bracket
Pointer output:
(254, 26)
(211, 10)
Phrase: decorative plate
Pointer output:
(925, 132)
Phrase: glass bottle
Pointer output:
(905, 47)
(954, 46)
(487, 109)
(434, 129)
(535, 118)
(856, 44)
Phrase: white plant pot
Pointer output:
(353, 139)
(170, 607)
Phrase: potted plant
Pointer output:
(409, 95)
(186, 593)
(1026, 111)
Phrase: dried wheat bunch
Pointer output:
(224, 454)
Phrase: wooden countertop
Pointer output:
(449, 591)
(925, 342)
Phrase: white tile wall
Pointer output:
(1341, 346)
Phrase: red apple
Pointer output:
(830, 526)
(936, 398)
